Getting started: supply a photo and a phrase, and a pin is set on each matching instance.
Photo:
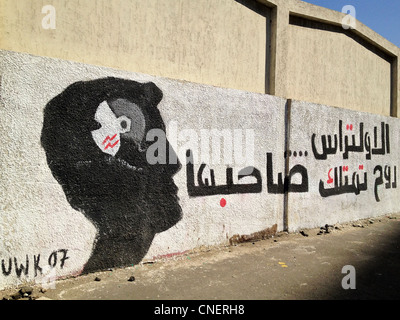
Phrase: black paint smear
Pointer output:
(127, 199)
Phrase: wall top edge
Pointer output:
(321, 14)
(11, 59)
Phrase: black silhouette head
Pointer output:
(94, 136)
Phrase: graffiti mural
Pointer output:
(33, 266)
(101, 184)
(94, 138)
(339, 144)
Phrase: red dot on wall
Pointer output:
(222, 202)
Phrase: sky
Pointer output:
(382, 16)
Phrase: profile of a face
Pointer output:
(94, 136)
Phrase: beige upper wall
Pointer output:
(221, 43)
(332, 68)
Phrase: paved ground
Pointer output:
(288, 266)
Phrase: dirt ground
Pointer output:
(306, 265)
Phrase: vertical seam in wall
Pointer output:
(288, 107)
(268, 48)
(272, 54)
(392, 70)
(1, 84)
(394, 87)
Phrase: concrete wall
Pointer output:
(340, 71)
(64, 189)
(88, 181)
(205, 41)
(353, 145)
(241, 44)
(320, 62)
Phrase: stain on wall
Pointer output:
(94, 138)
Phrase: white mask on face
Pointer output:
(107, 138)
